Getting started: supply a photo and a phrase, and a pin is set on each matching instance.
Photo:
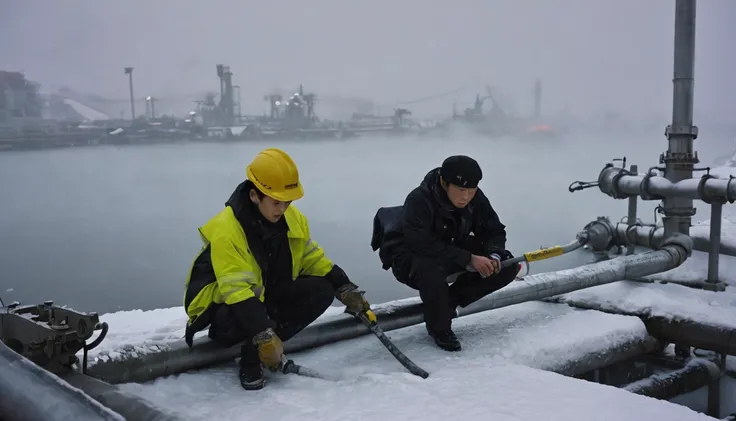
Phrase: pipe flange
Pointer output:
(729, 199)
(701, 189)
(616, 193)
(652, 235)
(644, 186)
(601, 234)
(627, 240)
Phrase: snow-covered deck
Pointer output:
(502, 373)
(669, 300)
(498, 375)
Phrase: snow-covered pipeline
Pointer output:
(177, 357)
(29, 392)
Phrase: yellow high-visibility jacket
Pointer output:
(226, 271)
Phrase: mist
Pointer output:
(593, 56)
(111, 228)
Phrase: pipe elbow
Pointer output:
(679, 245)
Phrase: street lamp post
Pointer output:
(240, 115)
(129, 72)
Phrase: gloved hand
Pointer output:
(270, 349)
(352, 298)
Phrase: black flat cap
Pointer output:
(462, 171)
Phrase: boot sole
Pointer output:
(257, 385)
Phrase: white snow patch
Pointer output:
(728, 230)
(487, 380)
(85, 111)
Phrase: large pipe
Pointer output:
(622, 351)
(619, 184)
(699, 335)
(710, 337)
(697, 373)
(680, 156)
(177, 357)
(132, 407)
(30, 393)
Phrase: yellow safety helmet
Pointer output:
(275, 174)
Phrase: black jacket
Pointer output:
(429, 225)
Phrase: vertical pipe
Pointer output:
(129, 72)
(714, 398)
(631, 216)
(680, 156)
(537, 99)
(716, 210)
(132, 97)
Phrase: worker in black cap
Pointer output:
(445, 226)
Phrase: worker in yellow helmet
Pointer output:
(260, 278)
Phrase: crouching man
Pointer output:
(260, 278)
(429, 238)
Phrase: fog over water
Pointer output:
(108, 228)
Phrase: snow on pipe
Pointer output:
(130, 406)
(620, 183)
(682, 332)
(133, 366)
(698, 335)
(30, 393)
(697, 373)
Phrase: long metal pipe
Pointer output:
(698, 335)
(679, 332)
(132, 407)
(697, 373)
(177, 357)
(30, 393)
(620, 352)
(680, 156)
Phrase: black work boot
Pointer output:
(445, 340)
(251, 377)
(251, 374)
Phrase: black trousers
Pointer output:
(294, 308)
(440, 299)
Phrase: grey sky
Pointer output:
(592, 54)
